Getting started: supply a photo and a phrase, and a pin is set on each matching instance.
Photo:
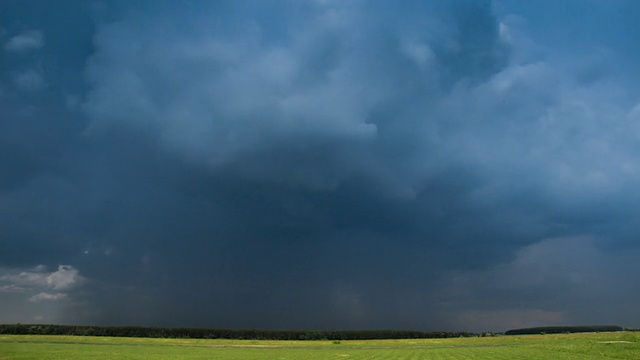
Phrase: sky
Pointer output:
(430, 165)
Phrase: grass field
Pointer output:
(619, 345)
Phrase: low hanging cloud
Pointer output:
(36, 294)
(66, 277)
(47, 297)
(25, 42)
(11, 288)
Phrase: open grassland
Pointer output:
(618, 345)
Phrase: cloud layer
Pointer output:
(320, 165)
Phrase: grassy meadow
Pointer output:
(617, 345)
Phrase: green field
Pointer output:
(618, 345)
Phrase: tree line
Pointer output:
(563, 329)
(240, 334)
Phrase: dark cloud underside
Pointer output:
(467, 165)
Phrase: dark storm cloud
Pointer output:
(314, 165)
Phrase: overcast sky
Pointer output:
(428, 165)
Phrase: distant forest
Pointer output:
(563, 329)
(200, 333)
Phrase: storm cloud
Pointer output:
(464, 165)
